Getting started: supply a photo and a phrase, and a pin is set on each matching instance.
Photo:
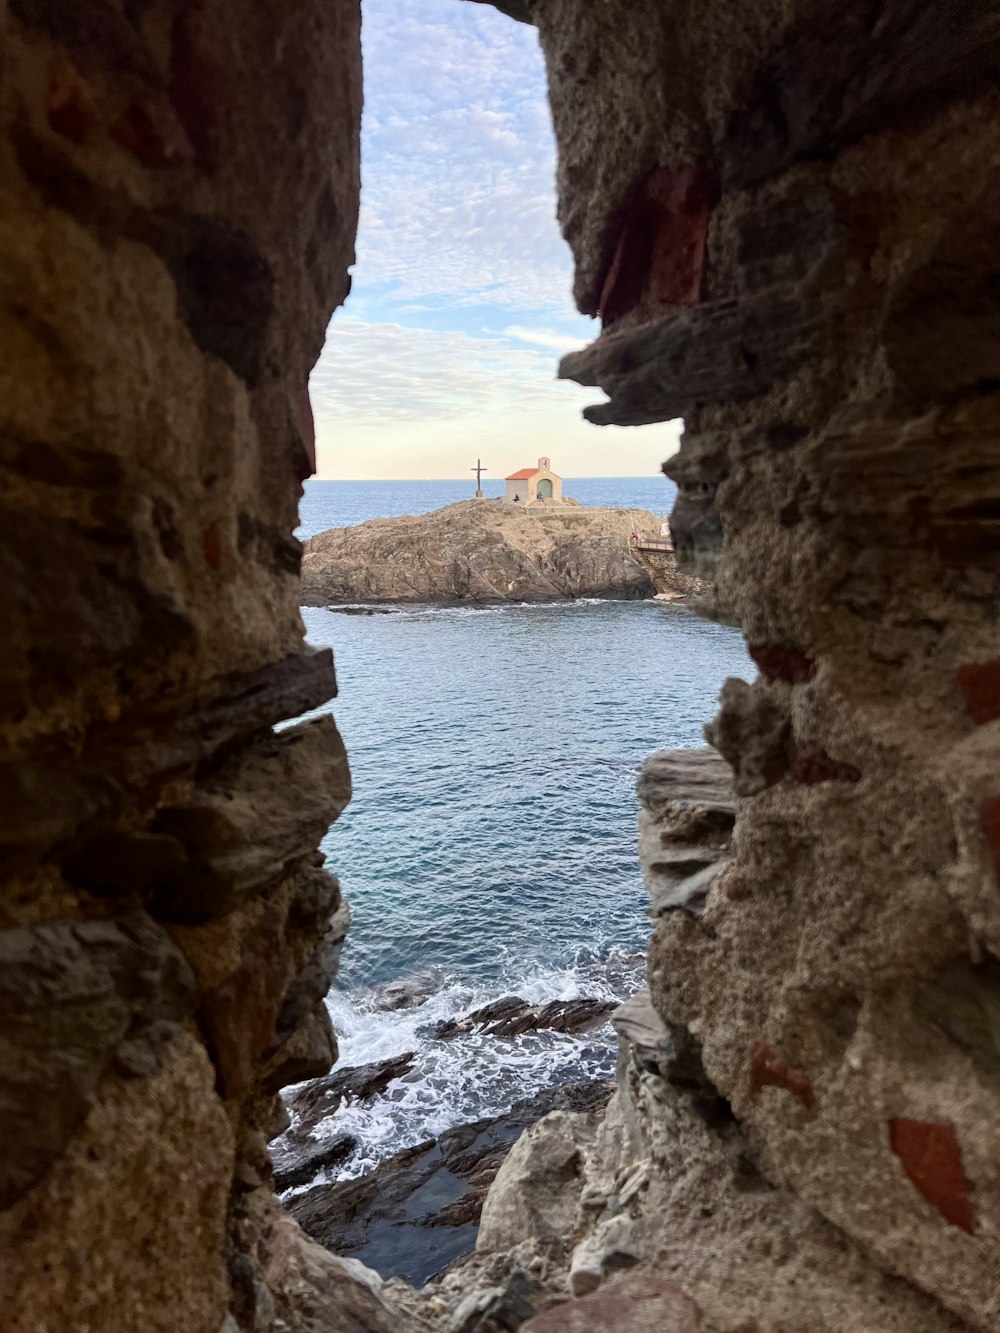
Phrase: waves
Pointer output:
(471, 1076)
(491, 841)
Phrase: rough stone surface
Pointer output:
(630, 1305)
(481, 551)
(838, 484)
(178, 200)
(139, 1196)
(789, 210)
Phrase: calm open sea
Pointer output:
(491, 841)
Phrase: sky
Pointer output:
(461, 303)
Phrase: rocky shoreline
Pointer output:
(418, 1210)
(482, 552)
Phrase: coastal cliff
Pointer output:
(482, 551)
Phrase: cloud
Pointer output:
(393, 373)
(457, 165)
(461, 299)
(556, 342)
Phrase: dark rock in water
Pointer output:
(361, 610)
(294, 1165)
(419, 1210)
(408, 992)
(512, 1017)
(322, 1097)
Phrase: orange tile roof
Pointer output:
(523, 475)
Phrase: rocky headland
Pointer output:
(483, 551)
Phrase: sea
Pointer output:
(490, 846)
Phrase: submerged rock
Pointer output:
(408, 992)
(481, 551)
(296, 1165)
(320, 1099)
(512, 1017)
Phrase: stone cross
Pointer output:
(478, 469)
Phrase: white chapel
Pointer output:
(535, 486)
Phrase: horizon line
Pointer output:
(583, 476)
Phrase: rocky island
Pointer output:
(488, 551)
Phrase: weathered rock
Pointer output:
(535, 1193)
(308, 1052)
(501, 1309)
(688, 810)
(360, 1083)
(637, 1023)
(641, 1304)
(615, 1243)
(512, 1017)
(71, 991)
(148, 1174)
(314, 1289)
(480, 551)
(409, 992)
(254, 819)
(302, 1164)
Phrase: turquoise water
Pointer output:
(491, 842)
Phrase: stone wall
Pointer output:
(785, 213)
(782, 213)
(178, 198)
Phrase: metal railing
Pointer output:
(650, 544)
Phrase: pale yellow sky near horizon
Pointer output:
(446, 449)
(461, 306)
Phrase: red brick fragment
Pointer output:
(780, 663)
(767, 1070)
(737, 890)
(932, 1159)
(626, 280)
(980, 683)
(239, 1016)
(197, 81)
(817, 766)
(306, 426)
(151, 132)
(660, 252)
(991, 826)
(685, 199)
(212, 543)
(70, 111)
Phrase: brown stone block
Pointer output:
(779, 662)
(660, 252)
(932, 1159)
(980, 684)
